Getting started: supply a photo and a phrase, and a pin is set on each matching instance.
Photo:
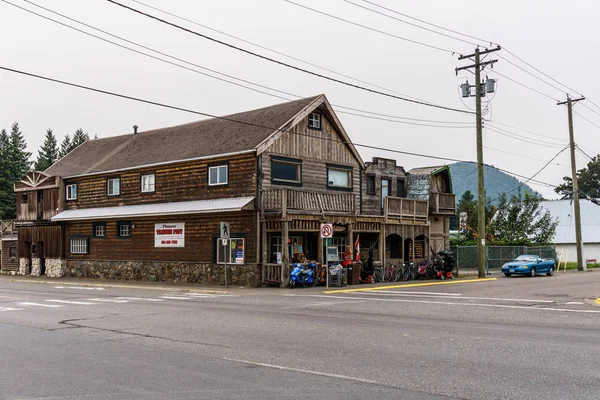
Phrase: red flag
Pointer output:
(357, 247)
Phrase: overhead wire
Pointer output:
(378, 116)
(410, 23)
(274, 129)
(370, 28)
(523, 156)
(282, 63)
(162, 10)
(557, 142)
(585, 119)
(509, 135)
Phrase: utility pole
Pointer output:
(578, 241)
(478, 66)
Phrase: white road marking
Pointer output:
(305, 371)
(110, 300)
(459, 304)
(137, 298)
(39, 305)
(176, 298)
(10, 309)
(575, 303)
(199, 295)
(324, 303)
(403, 294)
(79, 287)
(81, 303)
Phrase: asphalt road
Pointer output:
(510, 338)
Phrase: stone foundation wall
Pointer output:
(239, 275)
(36, 267)
(55, 267)
(23, 266)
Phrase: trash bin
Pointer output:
(353, 273)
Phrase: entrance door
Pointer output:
(42, 256)
(385, 190)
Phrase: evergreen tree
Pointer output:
(65, 146)
(5, 183)
(79, 138)
(48, 153)
(17, 164)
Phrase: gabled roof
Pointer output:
(427, 170)
(231, 134)
(419, 181)
(564, 212)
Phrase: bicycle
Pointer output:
(378, 274)
(390, 273)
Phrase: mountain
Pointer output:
(464, 177)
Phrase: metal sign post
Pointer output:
(326, 233)
(225, 244)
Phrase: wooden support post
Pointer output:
(285, 256)
(320, 251)
(412, 250)
(264, 247)
(350, 237)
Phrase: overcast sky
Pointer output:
(557, 37)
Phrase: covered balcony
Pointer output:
(443, 203)
(405, 210)
(287, 200)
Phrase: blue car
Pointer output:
(529, 265)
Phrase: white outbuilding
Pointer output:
(564, 238)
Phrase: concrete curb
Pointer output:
(113, 285)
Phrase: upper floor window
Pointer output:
(217, 175)
(286, 171)
(12, 252)
(400, 188)
(314, 120)
(339, 177)
(148, 183)
(370, 184)
(71, 192)
(113, 186)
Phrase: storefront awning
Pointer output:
(160, 209)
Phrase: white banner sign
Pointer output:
(169, 235)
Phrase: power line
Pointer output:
(270, 49)
(557, 143)
(509, 135)
(371, 29)
(525, 86)
(410, 23)
(525, 130)
(584, 118)
(523, 156)
(590, 108)
(583, 152)
(155, 103)
(229, 76)
(322, 76)
(428, 23)
(536, 174)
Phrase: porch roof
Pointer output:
(160, 209)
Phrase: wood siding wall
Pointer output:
(200, 231)
(8, 263)
(27, 204)
(381, 168)
(176, 182)
(51, 236)
(316, 149)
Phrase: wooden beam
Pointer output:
(285, 256)
(264, 247)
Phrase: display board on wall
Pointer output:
(169, 235)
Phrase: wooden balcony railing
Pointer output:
(443, 203)
(284, 200)
(7, 228)
(406, 209)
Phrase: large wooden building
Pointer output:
(148, 205)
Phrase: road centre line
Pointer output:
(10, 309)
(138, 298)
(79, 287)
(435, 293)
(176, 298)
(597, 301)
(452, 282)
(402, 294)
(81, 303)
(109, 300)
(456, 304)
(39, 305)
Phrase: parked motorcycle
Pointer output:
(303, 275)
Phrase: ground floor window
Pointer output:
(12, 252)
(233, 253)
(78, 245)
(301, 247)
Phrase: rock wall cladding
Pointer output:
(239, 275)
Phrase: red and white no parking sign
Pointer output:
(326, 231)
